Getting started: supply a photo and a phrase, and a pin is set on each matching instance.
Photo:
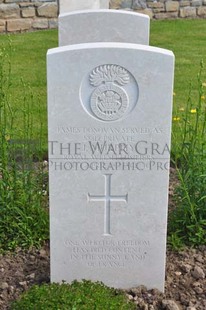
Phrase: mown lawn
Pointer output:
(23, 116)
(186, 38)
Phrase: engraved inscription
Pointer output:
(108, 253)
(107, 198)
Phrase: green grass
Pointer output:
(24, 89)
(23, 183)
(186, 38)
(28, 70)
(77, 296)
(187, 223)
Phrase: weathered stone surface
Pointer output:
(139, 4)
(53, 23)
(47, 10)
(148, 12)
(2, 26)
(156, 5)
(37, 4)
(4, 286)
(28, 12)
(201, 11)
(126, 4)
(187, 12)
(170, 305)
(171, 6)
(198, 273)
(40, 23)
(11, 1)
(43, 253)
(186, 268)
(9, 10)
(18, 25)
(184, 3)
(166, 15)
(196, 2)
(14, 9)
(115, 4)
(26, 4)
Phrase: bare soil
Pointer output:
(185, 286)
(185, 279)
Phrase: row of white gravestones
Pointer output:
(103, 26)
(109, 115)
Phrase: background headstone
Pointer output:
(103, 26)
(109, 115)
(75, 5)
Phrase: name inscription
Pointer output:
(109, 130)
(109, 149)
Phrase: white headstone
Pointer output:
(103, 26)
(75, 5)
(109, 113)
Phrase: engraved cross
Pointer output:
(107, 198)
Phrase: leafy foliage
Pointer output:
(188, 221)
(23, 219)
(79, 295)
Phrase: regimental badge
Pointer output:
(109, 92)
(109, 101)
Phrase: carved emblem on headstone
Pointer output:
(109, 92)
(109, 101)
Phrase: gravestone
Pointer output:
(109, 115)
(74, 5)
(103, 26)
